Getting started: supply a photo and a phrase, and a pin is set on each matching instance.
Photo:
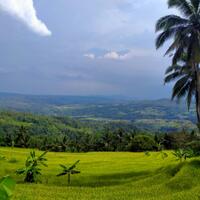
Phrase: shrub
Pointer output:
(195, 146)
(142, 143)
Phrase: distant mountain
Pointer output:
(156, 115)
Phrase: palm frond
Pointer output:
(182, 5)
(171, 77)
(42, 155)
(170, 21)
(184, 90)
(74, 165)
(63, 166)
(178, 55)
(173, 68)
(62, 174)
(180, 87)
(164, 36)
(195, 5)
(75, 172)
(180, 39)
(190, 94)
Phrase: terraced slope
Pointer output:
(106, 176)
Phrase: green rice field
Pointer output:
(107, 176)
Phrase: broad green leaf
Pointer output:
(3, 194)
(7, 186)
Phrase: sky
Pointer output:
(76, 47)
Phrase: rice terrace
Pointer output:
(108, 176)
(85, 107)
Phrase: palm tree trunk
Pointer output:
(69, 178)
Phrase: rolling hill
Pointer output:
(153, 115)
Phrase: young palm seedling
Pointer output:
(31, 169)
(69, 170)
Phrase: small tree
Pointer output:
(7, 186)
(142, 143)
(31, 169)
(69, 170)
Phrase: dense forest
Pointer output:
(63, 134)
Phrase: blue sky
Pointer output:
(76, 47)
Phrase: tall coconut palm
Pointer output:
(184, 30)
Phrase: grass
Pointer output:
(107, 176)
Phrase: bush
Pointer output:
(195, 146)
(142, 143)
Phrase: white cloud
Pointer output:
(90, 56)
(113, 55)
(116, 55)
(24, 10)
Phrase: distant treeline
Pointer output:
(63, 134)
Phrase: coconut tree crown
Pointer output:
(184, 30)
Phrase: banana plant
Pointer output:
(69, 171)
(183, 154)
(7, 186)
(31, 169)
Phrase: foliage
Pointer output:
(185, 84)
(7, 186)
(195, 146)
(142, 143)
(22, 137)
(31, 169)
(184, 30)
(183, 154)
(69, 170)
(62, 134)
(159, 115)
(163, 154)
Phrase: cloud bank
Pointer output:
(114, 55)
(24, 10)
(128, 55)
